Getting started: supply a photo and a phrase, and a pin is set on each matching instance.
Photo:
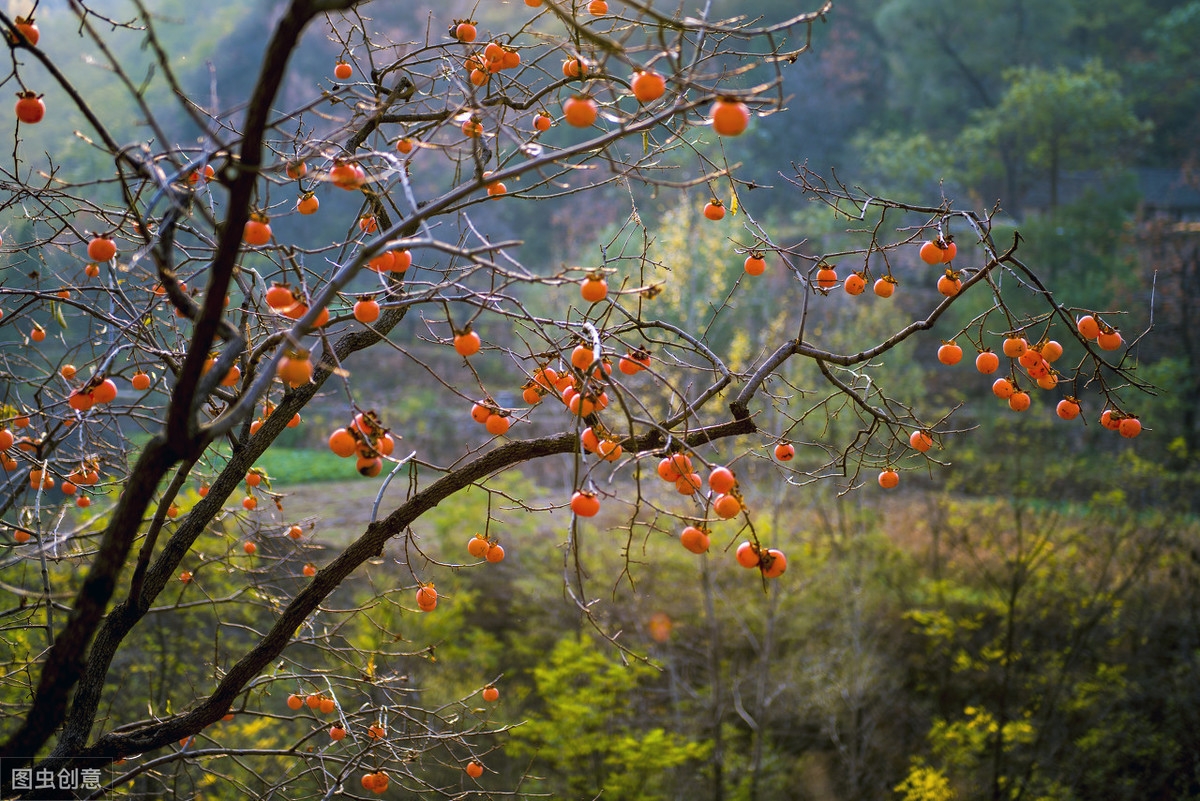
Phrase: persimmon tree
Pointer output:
(178, 311)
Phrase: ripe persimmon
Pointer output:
(427, 598)
(920, 440)
(342, 71)
(480, 412)
(474, 769)
(694, 539)
(280, 297)
(772, 563)
(257, 231)
(582, 356)
(582, 405)
(336, 733)
(885, 287)
(40, 479)
(295, 368)
(934, 251)
(949, 353)
(730, 116)
(889, 478)
(542, 122)
(101, 248)
(497, 424)
(667, 470)
(826, 276)
(347, 176)
(105, 391)
(949, 284)
(585, 504)
(1129, 427)
(688, 483)
(589, 440)
(747, 555)
(593, 288)
(1003, 389)
(714, 209)
(574, 68)
(477, 546)
(202, 176)
(727, 506)
(495, 553)
(1014, 346)
(343, 443)
(987, 362)
(1067, 408)
(491, 694)
(1088, 326)
(467, 342)
(721, 480)
(634, 362)
(30, 107)
(463, 30)
(80, 401)
(580, 111)
(647, 86)
(383, 263)
(755, 264)
(854, 284)
(1019, 401)
(682, 463)
(1109, 339)
(785, 451)
(366, 310)
(27, 29)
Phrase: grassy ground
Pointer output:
(340, 509)
(288, 467)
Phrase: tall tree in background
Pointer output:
(1049, 122)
